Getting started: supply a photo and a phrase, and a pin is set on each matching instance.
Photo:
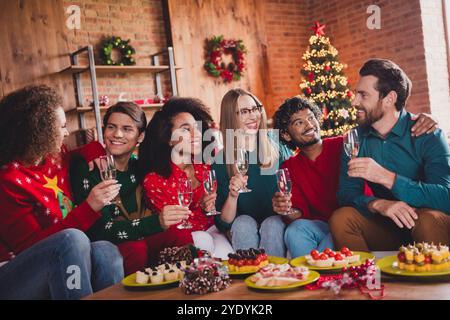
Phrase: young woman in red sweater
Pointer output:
(172, 152)
(44, 252)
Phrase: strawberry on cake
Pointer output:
(330, 258)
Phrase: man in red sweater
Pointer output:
(314, 172)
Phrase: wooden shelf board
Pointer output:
(105, 69)
(102, 108)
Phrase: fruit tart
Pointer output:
(250, 260)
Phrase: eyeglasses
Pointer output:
(245, 112)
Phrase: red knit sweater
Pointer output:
(36, 201)
(160, 192)
(315, 183)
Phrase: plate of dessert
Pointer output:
(418, 260)
(281, 277)
(246, 262)
(163, 276)
(331, 261)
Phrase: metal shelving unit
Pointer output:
(76, 70)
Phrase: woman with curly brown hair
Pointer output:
(44, 252)
(172, 152)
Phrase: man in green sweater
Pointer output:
(139, 234)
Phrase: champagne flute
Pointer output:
(242, 163)
(351, 143)
(210, 186)
(108, 171)
(185, 199)
(284, 184)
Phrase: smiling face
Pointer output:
(186, 136)
(249, 114)
(369, 106)
(121, 134)
(303, 129)
(61, 128)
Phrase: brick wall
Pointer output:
(400, 39)
(436, 61)
(287, 23)
(138, 20)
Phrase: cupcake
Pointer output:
(170, 275)
(141, 277)
(156, 277)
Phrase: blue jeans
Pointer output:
(66, 265)
(245, 234)
(304, 235)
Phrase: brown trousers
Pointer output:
(378, 233)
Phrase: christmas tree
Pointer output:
(325, 84)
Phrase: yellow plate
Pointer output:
(301, 262)
(130, 283)
(272, 259)
(312, 277)
(387, 265)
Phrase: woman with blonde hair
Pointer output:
(244, 195)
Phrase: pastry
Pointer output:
(250, 260)
(422, 257)
(142, 277)
(170, 275)
(274, 275)
(156, 277)
(329, 258)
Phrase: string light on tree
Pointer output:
(325, 84)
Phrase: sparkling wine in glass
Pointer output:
(351, 143)
(210, 186)
(108, 171)
(284, 184)
(242, 163)
(185, 199)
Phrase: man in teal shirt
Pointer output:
(409, 176)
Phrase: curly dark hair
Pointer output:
(28, 124)
(155, 152)
(284, 113)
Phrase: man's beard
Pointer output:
(371, 116)
(301, 145)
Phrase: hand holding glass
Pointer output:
(108, 171)
(210, 186)
(185, 199)
(284, 184)
(351, 143)
(242, 163)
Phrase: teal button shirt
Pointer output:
(421, 164)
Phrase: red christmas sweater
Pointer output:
(160, 192)
(36, 201)
(315, 182)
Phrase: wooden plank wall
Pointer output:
(192, 21)
(34, 48)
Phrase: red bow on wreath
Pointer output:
(215, 48)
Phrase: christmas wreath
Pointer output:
(125, 50)
(214, 65)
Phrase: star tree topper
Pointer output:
(318, 29)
